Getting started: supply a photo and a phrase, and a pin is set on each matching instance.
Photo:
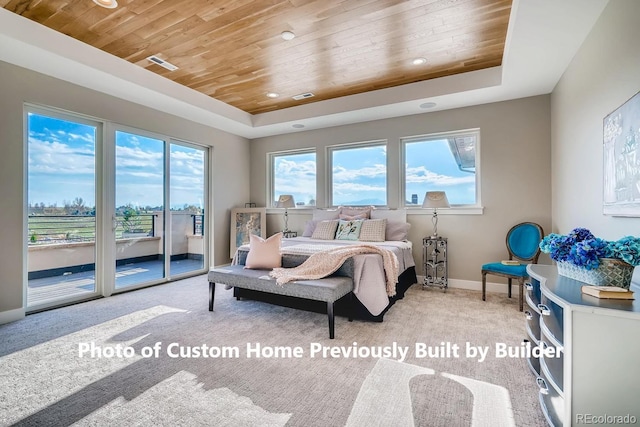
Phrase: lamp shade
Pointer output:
(286, 201)
(435, 199)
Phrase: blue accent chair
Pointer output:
(523, 242)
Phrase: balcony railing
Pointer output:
(48, 229)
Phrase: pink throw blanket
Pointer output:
(324, 263)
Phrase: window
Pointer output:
(445, 162)
(294, 173)
(358, 174)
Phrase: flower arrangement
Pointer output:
(581, 248)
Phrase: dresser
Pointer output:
(594, 375)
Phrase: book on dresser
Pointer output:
(608, 292)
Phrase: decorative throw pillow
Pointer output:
(325, 230)
(373, 230)
(309, 227)
(353, 217)
(358, 210)
(397, 230)
(264, 254)
(325, 214)
(349, 230)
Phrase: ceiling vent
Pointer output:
(161, 62)
(303, 96)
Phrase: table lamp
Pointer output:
(434, 200)
(286, 201)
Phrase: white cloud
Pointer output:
(422, 175)
(341, 174)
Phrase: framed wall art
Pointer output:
(244, 222)
(621, 156)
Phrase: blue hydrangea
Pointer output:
(580, 247)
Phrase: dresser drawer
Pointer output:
(551, 402)
(532, 319)
(553, 365)
(532, 288)
(551, 316)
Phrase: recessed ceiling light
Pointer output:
(109, 4)
(297, 126)
(419, 61)
(428, 105)
(272, 95)
(287, 35)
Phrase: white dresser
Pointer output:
(596, 379)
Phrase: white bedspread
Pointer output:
(369, 277)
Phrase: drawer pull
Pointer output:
(544, 388)
(528, 315)
(544, 310)
(528, 286)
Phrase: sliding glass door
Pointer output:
(61, 207)
(104, 217)
(187, 185)
(139, 209)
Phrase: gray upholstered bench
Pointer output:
(328, 289)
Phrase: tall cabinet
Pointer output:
(595, 377)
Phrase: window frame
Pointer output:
(271, 179)
(455, 208)
(330, 149)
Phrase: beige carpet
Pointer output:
(143, 379)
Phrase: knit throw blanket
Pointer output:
(322, 264)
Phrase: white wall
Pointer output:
(230, 166)
(515, 167)
(602, 76)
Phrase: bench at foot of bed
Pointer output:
(328, 289)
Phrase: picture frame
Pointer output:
(244, 222)
(621, 160)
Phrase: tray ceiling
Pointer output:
(232, 50)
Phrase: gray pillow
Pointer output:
(397, 230)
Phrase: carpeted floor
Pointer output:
(269, 368)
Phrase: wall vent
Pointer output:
(161, 62)
(303, 96)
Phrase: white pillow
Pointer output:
(399, 215)
(264, 254)
(373, 230)
(309, 227)
(325, 214)
(397, 230)
(325, 230)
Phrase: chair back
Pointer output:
(523, 241)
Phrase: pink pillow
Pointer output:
(354, 217)
(264, 254)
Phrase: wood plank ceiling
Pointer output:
(232, 50)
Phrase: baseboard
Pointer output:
(11, 315)
(474, 285)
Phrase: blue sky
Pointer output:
(62, 167)
(359, 175)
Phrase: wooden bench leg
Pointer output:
(331, 319)
(212, 292)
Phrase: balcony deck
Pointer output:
(59, 287)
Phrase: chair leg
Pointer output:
(212, 293)
(509, 288)
(484, 286)
(521, 296)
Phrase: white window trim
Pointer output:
(458, 209)
(329, 162)
(271, 175)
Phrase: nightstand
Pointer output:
(434, 260)
(289, 234)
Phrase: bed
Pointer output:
(372, 297)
